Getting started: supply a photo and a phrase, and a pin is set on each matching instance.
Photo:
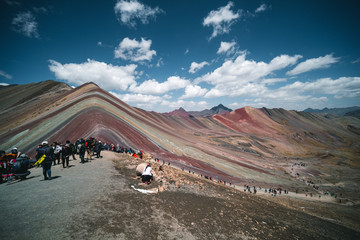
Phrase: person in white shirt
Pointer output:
(147, 174)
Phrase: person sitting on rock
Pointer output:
(147, 174)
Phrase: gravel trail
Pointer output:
(38, 209)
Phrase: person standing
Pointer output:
(65, 155)
(72, 149)
(57, 152)
(48, 151)
(97, 149)
(81, 148)
(53, 146)
(88, 148)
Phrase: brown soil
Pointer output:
(189, 207)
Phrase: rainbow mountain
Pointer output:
(247, 144)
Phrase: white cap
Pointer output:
(45, 143)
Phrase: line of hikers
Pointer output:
(84, 148)
(47, 156)
(121, 149)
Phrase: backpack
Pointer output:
(57, 149)
(72, 148)
(79, 147)
(41, 152)
(17, 166)
(66, 150)
(44, 155)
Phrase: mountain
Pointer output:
(334, 111)
(355, 113)
(178, 113)
(220, 109)
(247, 145)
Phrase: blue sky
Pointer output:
(162, 55)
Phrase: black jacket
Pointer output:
(48, 151)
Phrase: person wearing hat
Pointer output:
(147, 174)
(15, 151)
(48, 151)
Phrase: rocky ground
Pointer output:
(96, 200)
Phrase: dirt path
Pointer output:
(95, 201)
(38, 209)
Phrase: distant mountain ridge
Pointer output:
(219, 109)
(349, 111)
(178, 113)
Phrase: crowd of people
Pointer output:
(48, 155)
(121, 149)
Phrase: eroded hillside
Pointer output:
(247, 145)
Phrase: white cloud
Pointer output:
(261, 8)
(143, 101)
(344, 86)
(4, 84)
(312, 64)
(138, 98)
(154, 87)
(356, 61)
(105, 75)
(193, 91)
(271, 81)
(26, 24)
(197, 66)
(12, 3)
(241, 71)
(160, 62)
(101, 44)
(226, 47)
(129, 11)
(235, 105)
(43, 10)
(241, 77)
(5, 75)
(186, 51)
(159, 103)
(301, 95)
(188, 105)
(234, 90)
(130, 49)
(221, 19)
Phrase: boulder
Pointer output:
(140, 168)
